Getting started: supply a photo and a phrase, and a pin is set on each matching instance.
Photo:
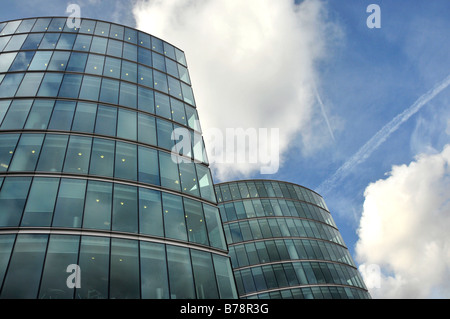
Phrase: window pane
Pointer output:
(50, 84)
(40, 61)
(110, 91)
(59, 61)
(102, 159)
(148, 166)
(70, 203)
(78, 155)
(97, 210)
(66, 41)
(130, 35)
(145, 56)
(87, 26)
(146, 129)
(154, 283)
(94, 264)
(188, 95)
(172, 68)
(5, 61)
(77, 62)
(94, 64)
(10, 27)
(126, 124)
(169, 50)
(32, 42)
(49, 41)
(125, 209)
(124, 276)
(57, 24)
(16, 42)
(144, 39)
(195, 222)
(129, 71)
(214, 226)
(6, 245)
(178, 113)
(165, 129)
(112, 67)
(162, 104)
(99, 45)
(126, 161)
(146, 100)
(10, 84)
(102, 28)
(82, 43)
(184, 74)
(180, 273)
(205, 182)
(205, 281)
(116, 31)
(8, 143)
(90, 88)
(62, 251)
(188, 178)
(40, 203)
(157, 45)
(225, 278)
(70, 86)
(84, 119)
(40, 114)
(62, 116)
(129, 52)
(41, 25)
(3, 42)
(174, 220)
(159, 62)
(12, 200)
(174, 87)
(53, 152)
(24, 274)
(114, 48)
(150, 212)
(21, 62)
(170, 177)
(128, 94)
(106, 120)
(27, 152)
(145, 76)
(160, 81)
(17, 114)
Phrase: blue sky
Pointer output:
(365, 78)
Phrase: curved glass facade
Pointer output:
(88, 172)
(284, 243)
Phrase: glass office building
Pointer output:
(284, 243)
(88, 175)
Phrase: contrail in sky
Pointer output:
(324, 114)
(367, 149)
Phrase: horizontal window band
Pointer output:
(287, 261)
(109, 234)
(106, 179)
(286, 238)
(300, 287)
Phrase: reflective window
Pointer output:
(146, 129)
(109, 92)
(124, 269)
(97, 210)
(41, 202)
(148, 166)
(145, 76)
(114, 48)
(129, 52)
(50, 84)
(188, 177)
(57, 24)
(174, 87)
(62, 251)
(21, 62)
(154, 284)
(8, 143)
(94, 263)
(146, 100)
(40, 114)
(145, 56)
(144, 39)
(27, 152)
(12, 200)
(126, 161)
(150, 212)
(106, 120)
(116, 31)
(49, 41)
(125, 209)
(10, 27)
(205, 183)
(53, 152)
(62, 115)
(195, 222)
(180, 273)
(32, 42)
(25, 269)
(41, 25)
(84, 119)
(82, 43)
(131, 35)
(205, 281)
(26, 25)
(5, 61)
(6, 245)
(78, 155)
(98, 45)
(66, 41)
(165, 129)
(172, 68)
(188, 95)
(87, 26)
(102, 158)
(214, 226)
(127, 124)
(128, 95)
(102, 28)
(112, 67)
(3, 42)
(184, 74)
(169, 51)
(59, 61)
(77, 62)
(90, 88)
(157, 45)
(162, 104)
(174, 220)
(16, 42)
(17, 114)
(10, 84)
(129, 71)
(94, 64)
(70, 203)
(70, 86)
(168, 169)
(160, 81)
(225, 278)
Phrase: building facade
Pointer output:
(284, 243)
(93, 201)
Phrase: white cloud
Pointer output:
(404, 229)
(252, 63)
